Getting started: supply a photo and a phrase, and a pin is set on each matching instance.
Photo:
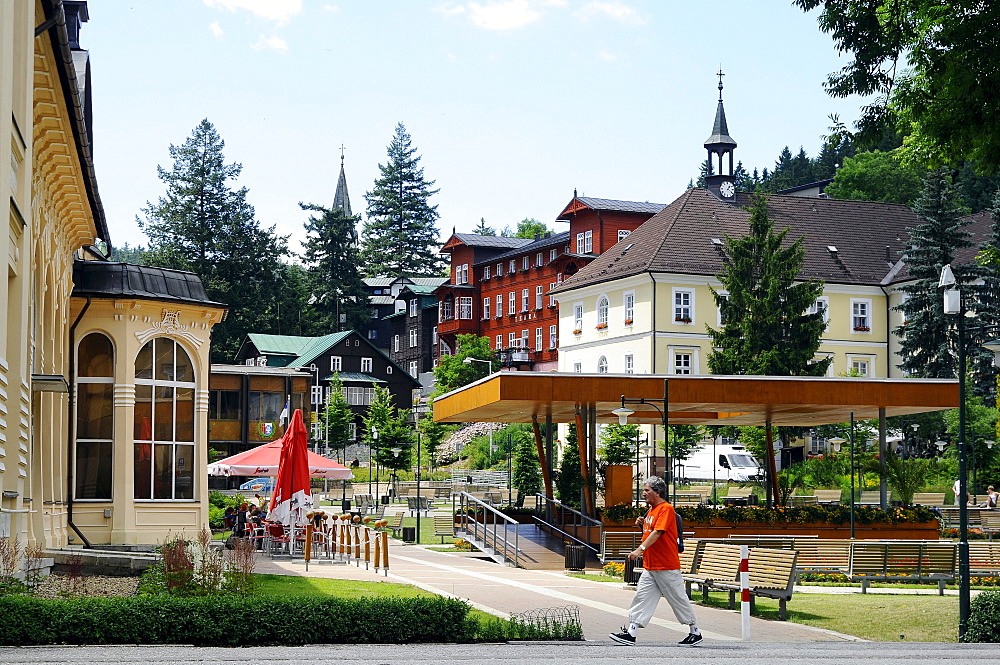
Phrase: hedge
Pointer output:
(232, 621)
(984, 618)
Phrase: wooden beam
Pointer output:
(542, 458)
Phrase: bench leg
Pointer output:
(704, 592)
(864, 586)
(732, 599)
(753, 605)
(940, 587)
(687, 589)
(782, 610)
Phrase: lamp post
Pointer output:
(373, 439)
(623, 413)
(469, 360)
(837, 442)
(395, 454)
(418, 486)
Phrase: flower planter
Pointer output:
(906, 531)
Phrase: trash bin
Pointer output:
(385, 499)
(409, 534)
(345, 505)
(631, 572)
(575, 557)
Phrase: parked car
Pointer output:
(258, 485)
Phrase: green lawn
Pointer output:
(288, 585)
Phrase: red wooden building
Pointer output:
(499, 287)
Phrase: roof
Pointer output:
(532, 246)
(683, 238)
(819, 184)
(256, 369)
(475, 240)
(378, 281)
(979, 230)
(381, 300)
(111, 279)
(422, 289)
(285, 345)
(427, 281)
(356, 377)
(720, 130)
(316, 347)
(615, 205)
(693, 400)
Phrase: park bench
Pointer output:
(989, 522)
(773, 542)
(772, 575)
(418, 503)
(716, 563)
(615, 545)
(687, 499)
(930, 499)
(828, 496)
(739, 496)
(396, 524)
(822, 555)
(902, 561)
(800, 500)
(873, 498)
(444, 526)
(984, 558)
(949, 516)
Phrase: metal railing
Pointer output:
(485, 524)
(554, 514)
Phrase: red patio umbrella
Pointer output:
(263, 461)
(292, 498)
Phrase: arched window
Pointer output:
(602, 312)
(95, 388)
(602, 365)
(163, 426)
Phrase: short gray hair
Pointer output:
(658, 485)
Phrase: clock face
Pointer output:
(727, 189)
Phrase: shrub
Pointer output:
(984, 618)
(806, 514)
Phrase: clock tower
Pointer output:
(721, 145)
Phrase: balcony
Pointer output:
(454, 326)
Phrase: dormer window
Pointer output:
(413, 307)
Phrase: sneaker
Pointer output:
(692, 640)
(623, 637)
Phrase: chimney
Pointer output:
(76, 14)
(538, 236)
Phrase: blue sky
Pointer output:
(510, 103)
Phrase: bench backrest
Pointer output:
(772, 569)
(803, 500)
(984, 555)
(822, 553)
(617, 544)
(827, 496)
(929, 498)
(898, 558)
(739, 492)
(989, 519)
(719, 561)
(444, 524)
(873, 496)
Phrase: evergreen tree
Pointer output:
(527, 478)
(432, 435)
(706, 169)
(742, 179)
(399, 238)
(767, 328)
(336, 418)
(128, 254)
(926, 336)
(569, 484)
(394, 431)
(977, 190)
(484, 230)
(618, 443)
(203, 225)
(331, 256)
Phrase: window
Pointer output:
(95, 418)
(580, 243)
(366, 364)
(524, 339)
(578, 316)
(358, 396)
(860, 366)
(388, 369)
(434, 335)
(622, 234)
(413, 369)
(553, 253)
(413, 307)
(465, 273)
(465, 307)
(578, 368)
(445, 310)
(315, 398)
(683, 309)
(374, 312)
(395, 343)
(629, 363)
(524, 300)
(499, 305)
(499, 342)
(538, 296)
(861, 315)
(486, 308)
(538, 339)
(336, 363)
(372, 334)
(721, 311)
(413, 337)
(822, 305)
(511, 340)
(163, 421)
(588, 242)
(486, 272)
(602, 313)
(525, 263)
(552, 299)
(511, 303)
(602, 365)
(629, 307)
(512, 266)
(352, 431)
(682, 363)
(538, 260)
(499, 270)
(553, 337)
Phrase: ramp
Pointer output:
(536, 550)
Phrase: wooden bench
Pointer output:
(828, 496)
(822, 555)
(687, 499)
(989, 522)
(716, 563)
(902, 561)
(418, 503)
(772, 575)
(928, 498)
(396, 524)
(800, 500)
(739, 496)
(873, 498)
(615, 545)
(444, 526)
(984, 558)
(949, 516)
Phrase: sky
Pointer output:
(511, 104)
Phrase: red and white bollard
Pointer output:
(745, 590)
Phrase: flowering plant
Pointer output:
(602, 326)
(628, 322)
(577, 331)
(682, 319)
(862, 329)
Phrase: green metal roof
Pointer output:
(316, 347)
(286, 345)
(356, 377)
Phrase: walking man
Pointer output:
(662, 569)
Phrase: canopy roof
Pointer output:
(694, 400)
(263, 461)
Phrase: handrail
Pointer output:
(585, 518)
(596, 550)
(466, 500)
(579, 520)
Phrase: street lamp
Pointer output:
(374, 438)
(837, 442)
(623, 413)
(469, 360)
(418, 486)
(941, 445)
(395, 454)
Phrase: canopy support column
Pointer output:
(583, 447)
(542, 457)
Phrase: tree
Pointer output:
(932, 70)
(336, 416)
(527, 228)
(767, 329)
(399, 238)
(484, 230)
(394, 431)
(926, 338)
(876, 176)
(618, 443)
(127, 254)
(432, 435)
(706, 169)
(527, 478)
(331, 256)
(684, 441)
(453, 372)
(569, 484)
(203, 225)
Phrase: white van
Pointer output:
(729, 462)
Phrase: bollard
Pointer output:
(307, 546)
(385, 553)
(745, 591)
(378, 551)
(357, 544)
(368, 543)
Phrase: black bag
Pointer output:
(680, 533)
(231, 541)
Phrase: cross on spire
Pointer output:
(720, 74)
(341, 154)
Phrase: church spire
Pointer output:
(341, 199)
(719, 145)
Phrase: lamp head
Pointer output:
(396, 451)
(941, 445)
(989, 444)
(623, 412)
(467, 360)
(837, 442)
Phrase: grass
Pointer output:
(598, 577)
(287, 585)
(876, 617)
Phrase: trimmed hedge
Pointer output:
(984, 618)
(231, 621)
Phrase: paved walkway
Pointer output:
(502, 591)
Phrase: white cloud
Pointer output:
(278, 11)
(500, 14)
(607, 56)
(274, 43)
(617, 11)
(216, 29)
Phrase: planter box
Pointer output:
(909, 531)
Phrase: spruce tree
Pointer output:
(205, 226)
(527, 478)
(767, 328)
(484, 230)
(569, 484)
(331, 256)
(399, 237)
(336, 418)
(984, 372)
(927, 340)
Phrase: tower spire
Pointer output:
(720, 145)
(340, 198)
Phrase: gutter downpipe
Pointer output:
(71, 426)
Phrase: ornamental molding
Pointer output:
(171, 326)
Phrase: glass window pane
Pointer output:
(183, 370)
(144, 362)
(93, 470)
(184, 418)
(164, 365)
(96, 356)
(185, 473)
(163, 416)
(143, 470)
(163, 472)
(142, 422)
(95, 411)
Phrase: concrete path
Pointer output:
(503, 591)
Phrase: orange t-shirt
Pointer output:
(661, 555)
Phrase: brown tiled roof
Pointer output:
(979, 227)
(679, 239)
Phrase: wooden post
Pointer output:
(546, 477)
(307, 547)
(378, 551)
(347, 535)
(357, 542)
(385, 552)
(581, 443)
(772, 471)
(368, 546)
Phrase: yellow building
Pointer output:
(103, 366)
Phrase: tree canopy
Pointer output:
(876, 176)
(452, 372)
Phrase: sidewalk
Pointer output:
(502, 591)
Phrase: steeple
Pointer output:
(341, 199)
(719, 145)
